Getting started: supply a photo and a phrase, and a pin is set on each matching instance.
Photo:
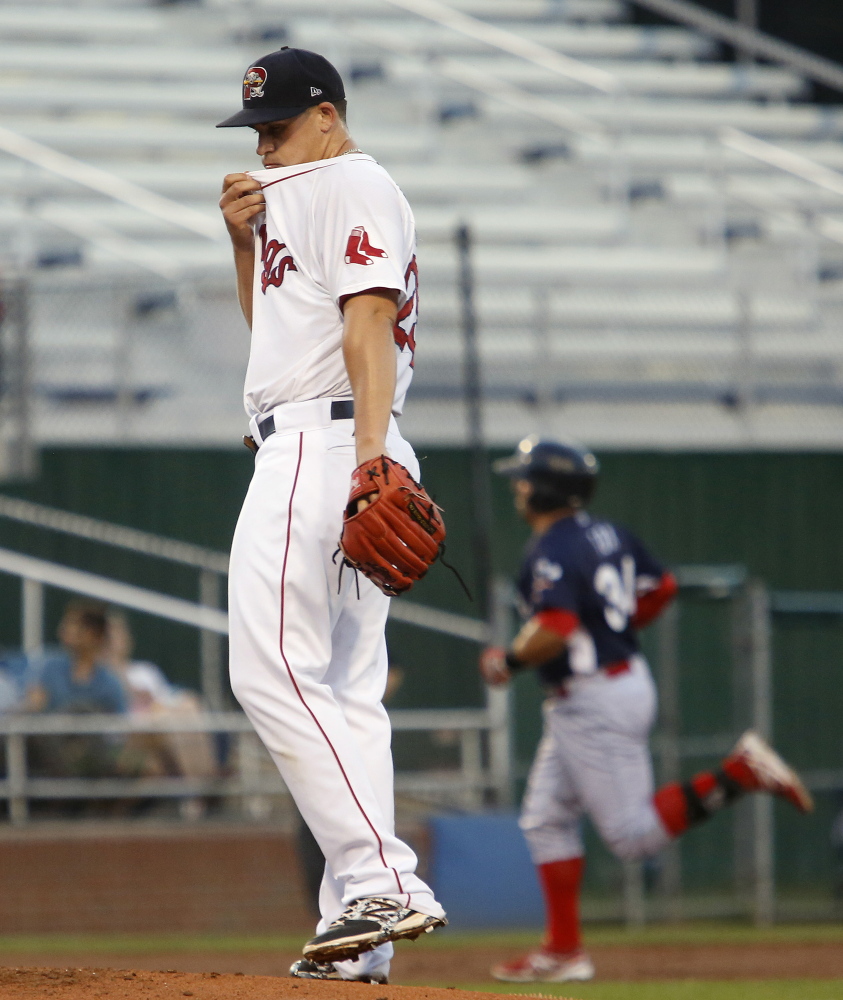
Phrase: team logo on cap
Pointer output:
(254, 82)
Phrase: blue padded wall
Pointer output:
(481, 872)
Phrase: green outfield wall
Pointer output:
(781, 515)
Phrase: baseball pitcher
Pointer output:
(335, 520)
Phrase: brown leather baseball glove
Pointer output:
(396, 537)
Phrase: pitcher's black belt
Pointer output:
(341, 409)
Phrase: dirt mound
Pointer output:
(86, 984)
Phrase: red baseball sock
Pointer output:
(560, 881)
(685, 805)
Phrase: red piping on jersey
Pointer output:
(298, 689)
(290, 177)
(299, 174)
(563, 623)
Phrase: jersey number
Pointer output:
(404, 330)
(617, 588)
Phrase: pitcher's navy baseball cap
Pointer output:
(283, 84)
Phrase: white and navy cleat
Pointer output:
(305, 969)
(364, 925)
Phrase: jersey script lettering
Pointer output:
(273, 273)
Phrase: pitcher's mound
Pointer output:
(115, 984)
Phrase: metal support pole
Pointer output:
(634, 903)
(17, 454)
(746, 14)
(471, 768)
(543, 359)
(210, 645)
(249, 753)
(16, 776)
(32, 616)
(473, 389)
(670, 769)
(743, 820)
(762, 721)
(122, 365)
(498, 700)
(745, 350)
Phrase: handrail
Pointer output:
(113, 243)
(459, 626)
(784, 159)
(750, 40)
(531, 104)
(57, 724)
(545, 110)
(102, 588)
(133, 539)
(109, 184)
(145, 543)
(508, 41)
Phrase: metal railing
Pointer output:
(748, 40)
(754, 609)
(212, 567)
(481, 769)
(126, 192)
(465, 787)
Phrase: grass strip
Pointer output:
(676, 989)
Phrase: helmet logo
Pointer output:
(254, 82)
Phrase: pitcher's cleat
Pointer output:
(305, 969)
(756, 766)
(364, 925)
(545, 967)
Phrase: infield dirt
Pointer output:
(259, 974)
(85, 984)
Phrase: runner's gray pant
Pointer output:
(594, 760)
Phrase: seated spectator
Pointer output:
(189, 755)
(146, 686)
(78, 679)
(14, 668)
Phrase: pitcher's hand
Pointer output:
(242, 199)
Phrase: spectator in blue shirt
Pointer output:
(78, 680)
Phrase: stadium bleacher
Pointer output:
(637, 280)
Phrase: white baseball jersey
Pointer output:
(331, 228)
(307, 645)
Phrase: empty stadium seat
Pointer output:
(636, 244)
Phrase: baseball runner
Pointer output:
(324, 251)
(586, 587)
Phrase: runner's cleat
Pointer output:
(756, 766)
(364, 925)
(545, 967)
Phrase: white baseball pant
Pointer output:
(594, 759)
(308, 658)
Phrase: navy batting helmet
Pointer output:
(562, 475)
